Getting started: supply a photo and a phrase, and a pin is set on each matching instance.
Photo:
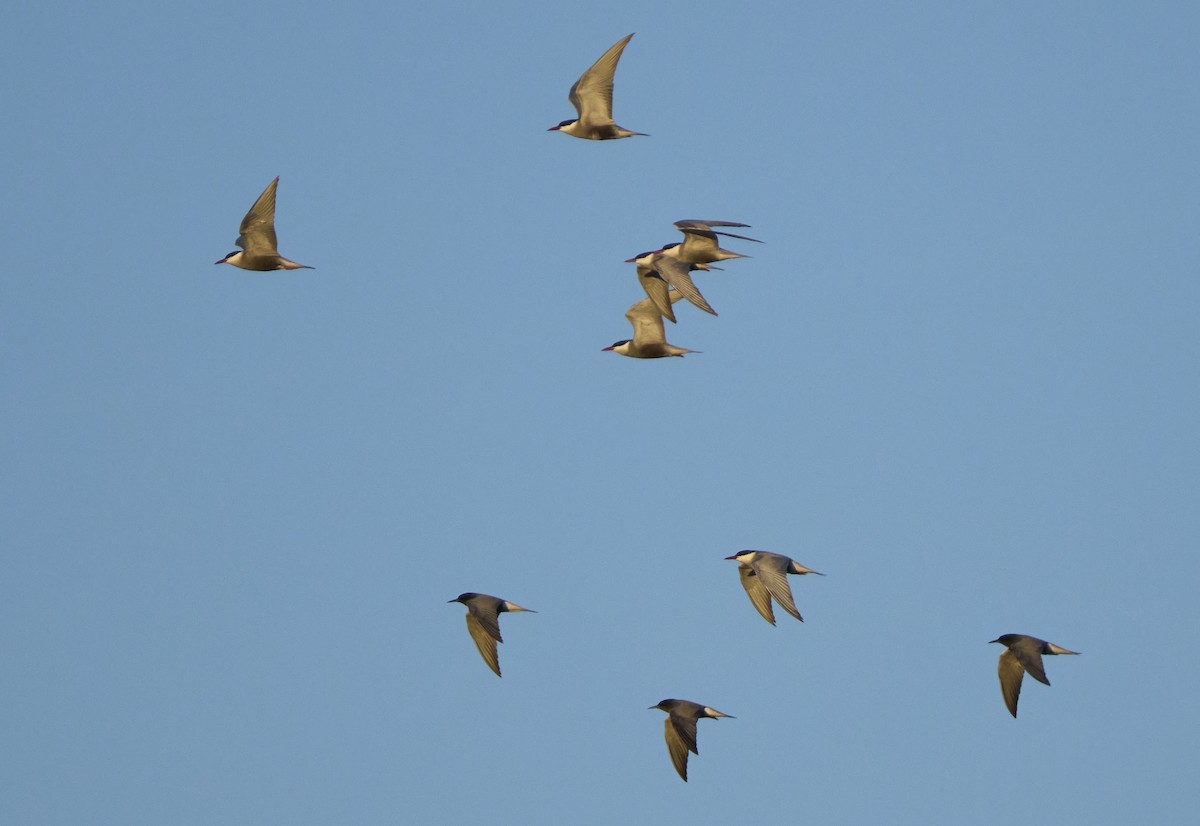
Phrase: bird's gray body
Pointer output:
(1023, 654)
(483, 622)
(591, 96)
(259, 246)
(649, 337)
(764, 576)
(680, 729)
(656, 270)
(700, 244)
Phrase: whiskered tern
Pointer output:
(483, 621)
(259, 247)
(592, 98)
(649, 338)
(680, 729)
(764, 576)
(1023, 654)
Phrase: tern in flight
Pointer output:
(259, 248)
(1024, 653)
(680, 729)
(649, 338)
(483, 621)
(656, 270)
(700, 244)
(764, 576)
(592, 98)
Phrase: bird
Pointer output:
(655, 271)
(259, 248)
(680, 729)
(592, 98)
(1023, 653)
(764, 576)
(483, 621)
(700, 244)
(649, 338)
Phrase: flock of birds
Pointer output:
(764, 576)
(665, 275)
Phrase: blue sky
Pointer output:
(960, 377)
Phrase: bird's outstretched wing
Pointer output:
(257, 233)
(757, 592)
(592, 93)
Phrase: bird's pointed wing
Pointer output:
(772, 572)
(1028, 652)
(592, 93)
(759, 597)
(656, 288)
(257, 233)
(692, 223)
(678, 274)
(1011, 672)
(680, 733)
(485, 640)
(647, 321)
(488, 617)
(706, 227)
(739, 237)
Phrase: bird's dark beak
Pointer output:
(554, 128)
(731, 557)
(222, 261)
(605, 350)
(627, 261)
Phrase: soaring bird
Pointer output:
(1023, 653)
(649, 337)
(680, 729)
(259, 247)
(700, 244)
(483, 621)
(656, 270)
(592, 98)
(764, 576)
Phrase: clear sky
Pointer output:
(960, 378)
